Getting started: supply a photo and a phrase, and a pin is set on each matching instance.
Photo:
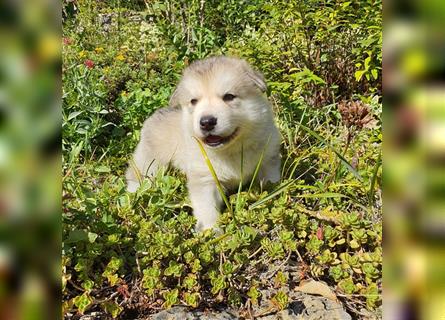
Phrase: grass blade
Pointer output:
(258, 165)
(374, 179)
(339, 155)
(322, 195)
(214, 175)
(240, 186)
(273, 194)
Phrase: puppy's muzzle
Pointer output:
(207, 123)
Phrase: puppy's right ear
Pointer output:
(255, 76)
(174, 99)
(258, 79)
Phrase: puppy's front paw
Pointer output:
(204, 225)
(205, 229)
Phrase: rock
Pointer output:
(320, 308)
(306, 307)
(94, 316)
(302, 306)
(183, 313)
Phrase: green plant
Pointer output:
(280, 300)
(321, 60)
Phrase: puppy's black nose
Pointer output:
(207, 123)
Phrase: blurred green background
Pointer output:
(414, 156)
(414, 160)
(30, 159)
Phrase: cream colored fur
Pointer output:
(167, 136)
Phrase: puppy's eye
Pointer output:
(228, 97)
(194, 101)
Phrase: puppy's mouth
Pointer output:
(216, 141)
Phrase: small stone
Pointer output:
(183, 313)
(302, 307)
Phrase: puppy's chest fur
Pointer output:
(231, 171)
(227, 164)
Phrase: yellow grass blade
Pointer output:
(215, 177)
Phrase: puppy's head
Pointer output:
(222, 99)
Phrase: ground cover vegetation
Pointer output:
(132, 254)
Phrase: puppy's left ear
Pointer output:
(258, 79)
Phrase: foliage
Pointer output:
(121, 61)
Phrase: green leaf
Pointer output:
(253, 294)
(280, 300)
(372, 295)
(102, 169)
(347, 286)
(92, 236)
(82, 302)
(171, 298)
(88, 285)
(190, 281)
(354, 244)
(340, 242)
(75, 151)
(218, 284)
(227, 268)
(359, 74)
(174, 269)
(112, 308)
(76, 236)
(367, 61)
(110, 270)
(192, 299)
(74, 114)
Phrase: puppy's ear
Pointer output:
(258, 79)
(175, 98)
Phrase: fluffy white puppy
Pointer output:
(220, 101)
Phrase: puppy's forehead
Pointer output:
(216, 80)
